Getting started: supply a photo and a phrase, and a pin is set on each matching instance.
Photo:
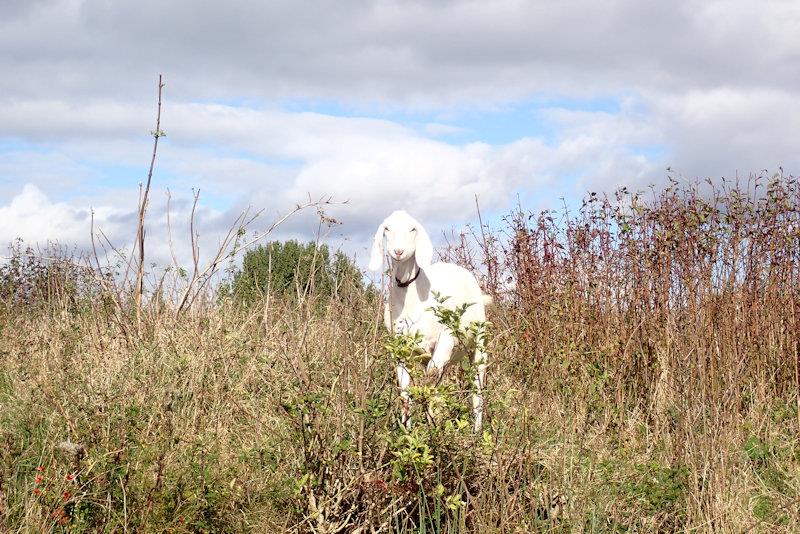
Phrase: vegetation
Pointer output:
(643, 377)
(290, 269)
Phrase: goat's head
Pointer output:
(405, 238)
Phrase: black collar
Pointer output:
(407, 282)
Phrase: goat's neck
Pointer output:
(404, 270)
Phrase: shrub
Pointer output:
(53, 275)
(291, 269)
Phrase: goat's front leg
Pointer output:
(404, 381)
(441, 354)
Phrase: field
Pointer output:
(643, 377)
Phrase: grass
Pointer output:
(643, 378)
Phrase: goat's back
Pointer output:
(453, 281)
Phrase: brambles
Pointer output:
(44, 277)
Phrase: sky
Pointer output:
(416, 105)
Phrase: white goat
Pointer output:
(415, 280)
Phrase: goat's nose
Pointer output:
(398, 252)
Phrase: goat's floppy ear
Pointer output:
(376, 257)
(424, 247)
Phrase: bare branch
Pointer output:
(157, 134)
(200, 279)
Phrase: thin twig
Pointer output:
(225, 251)
(169, 234)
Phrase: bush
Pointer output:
(291, 269)
(52, 275)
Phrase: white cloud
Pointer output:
(724, 130)
(45, 168)
(421, 53)
(437, 129)
(33, 217)
(278, 158)
(36, 219)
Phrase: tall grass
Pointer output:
(643, 377)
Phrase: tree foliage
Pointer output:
(292, 269)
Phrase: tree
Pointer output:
(292, 269)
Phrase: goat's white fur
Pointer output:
(408, 308)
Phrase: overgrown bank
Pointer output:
(643, 377)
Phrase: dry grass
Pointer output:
(643, 378)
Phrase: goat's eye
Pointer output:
(413, 229)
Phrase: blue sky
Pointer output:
(418, 105)
(497, 124)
